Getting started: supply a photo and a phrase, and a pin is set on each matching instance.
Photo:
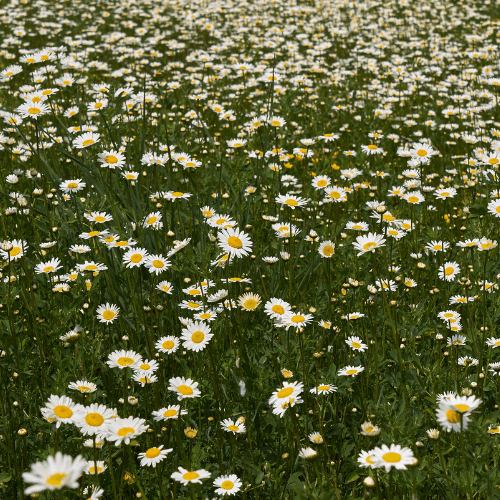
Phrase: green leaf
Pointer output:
(5, 477)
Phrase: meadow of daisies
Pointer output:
(249, 249)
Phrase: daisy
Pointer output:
(92, 234)
(48, 267)
(335, 194)
(316, 438)
(493, 342)
(386, 285)
(57, 472)
(85, 140)
(72, 186)
(414, 197)
(249, 301)
(170, 412)
(459, 299)
(457, 340)
(144, 378)
(445, 193)
(320, 182)
(192, 304)
(307, 453)
(368, 429)
(280, 408)
(494, 208)
(124, 429)
(91, 266)
(366, 459)
(107, 313)
(135, 257)
(179, 245)
(235, 427)
(186, 477)
(357, 226)
(124, 359)
(326, 249)
(227, 485)
(485, 244)
(422, 152)
(152, 220)
(196, 336)
(111, 159)
(372, 149)
(185, 388)
(289, 390)
(291, 200)
(323, 389)
(156, 264)
(393, 456)
(154, 456)
(297, 319)
(449, 419)
(448, 271)
(437, 246)
(350, 371)
(62, 410)
(356, 344)
(17, 249)
(91, 467)
(234, 242)
(165, 286)
(83, 386)
(33, 110)
(99, 217)
(368, 243)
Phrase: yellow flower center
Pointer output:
(168, 344)
(137, 257)
(125, 361)
(369, 459)
(153, 453)
(100, 218)
(158, 264)
(84, 388)
(323, 387)
(298, 318)
(111, 159)
(189, 476)
(33, 111)
(87, 142)
(62, 411)
(413, 199)
(233, 428)
(322, 183)
(98, 105)
(448, 271)
(91, 267)
(15, 251)
(197, 337)
(177, 194)
(124, 431)
(234, 242)
(351, 372)
(453, 416)
(94, 419)
(391, 457)
(369, 245)
(250, 304)
(278, 309)
(462, 408)
(227, 485)
(152, 220)
(93, 233)
(47, 269)
(328, 250)
(291, 202)
(284, 393)
(492, 161)
(170, 413)
(356, 345)
(108, 314)
(335, 195)
(56, 479)
(194, 305)
(421, 152)
(185, 390)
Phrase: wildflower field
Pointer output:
(249, 249)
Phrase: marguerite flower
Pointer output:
(184, 388)
(153, 456)
(227, 485)
(393, 456)
(234, 242)
(196, 336)
(368, 243)
(107, 313)
(124, 359)
(62, 410)
(170, 412)
(185, 477)
(94, 418)
(124, 429)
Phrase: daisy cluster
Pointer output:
(236, 233)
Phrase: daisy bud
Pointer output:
(419, 444)
(369, 482)
(22, 432)
(284, 456)
(481, 375)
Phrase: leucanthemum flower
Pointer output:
(14, 250)
(366, 459)
(307, 453)
(448, 271)
(135, 257)
(156, 264)
(356, 343)
(85, 140)
(124, 359)
(55, 473)
(107, 313)
(234, 242)
(184, 388)
(326, 249)
(368, 429)
(91, 467)
(83, 386)
(111, 159)
(72, 186)
(227, 485)
(316, 438)
(296, 319)
(124, 429)
(48, 267)
(165, 286)
(235, 427)
(393, 456)
(186, 477)
(153, 456)
(168, 344)
(350, 371)
(291, 200)
(196, 336)
(94, 418)
(368, 243)
(249, 301)
(62, 410)
(168, 413)
(144, 378)
(323, 389)
(288, 391)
